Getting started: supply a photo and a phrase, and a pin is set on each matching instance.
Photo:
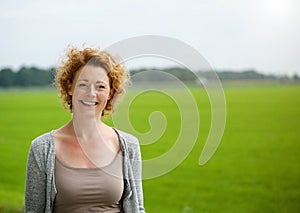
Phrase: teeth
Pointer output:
(89, 103)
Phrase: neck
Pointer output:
(86, 128)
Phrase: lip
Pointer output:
(89, 103)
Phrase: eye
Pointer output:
(82, 85)
(100, 87)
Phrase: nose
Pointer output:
(92, 91)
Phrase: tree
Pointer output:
(7, 77)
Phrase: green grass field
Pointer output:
(255, 169)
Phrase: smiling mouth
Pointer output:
(89, 103)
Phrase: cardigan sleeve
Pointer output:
(35, 190)
(136, 168)
(137, 171)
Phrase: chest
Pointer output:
(79, 153)
(79, 188)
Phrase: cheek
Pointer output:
(103, 96)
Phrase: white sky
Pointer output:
(234, 34)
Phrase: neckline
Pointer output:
(118, 154)
(78, 168)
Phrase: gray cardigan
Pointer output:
(40, 184)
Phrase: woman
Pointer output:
(85, 165)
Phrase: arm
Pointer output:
(137, 172)
(133, 191)
(35, 192)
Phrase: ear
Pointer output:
(70, 92)
(111, 94)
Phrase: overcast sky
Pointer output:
(234, 34)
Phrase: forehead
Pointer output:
(92, 73)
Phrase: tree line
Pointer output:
(26, 77)
(33, 76)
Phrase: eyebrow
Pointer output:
(85, 80)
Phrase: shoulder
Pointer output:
(129, 142)
(129, 138)
(42, 142)
(40, 150)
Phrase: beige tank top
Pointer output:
(88, 189)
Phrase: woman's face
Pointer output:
(90, 91)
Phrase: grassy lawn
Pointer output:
(255, 169)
